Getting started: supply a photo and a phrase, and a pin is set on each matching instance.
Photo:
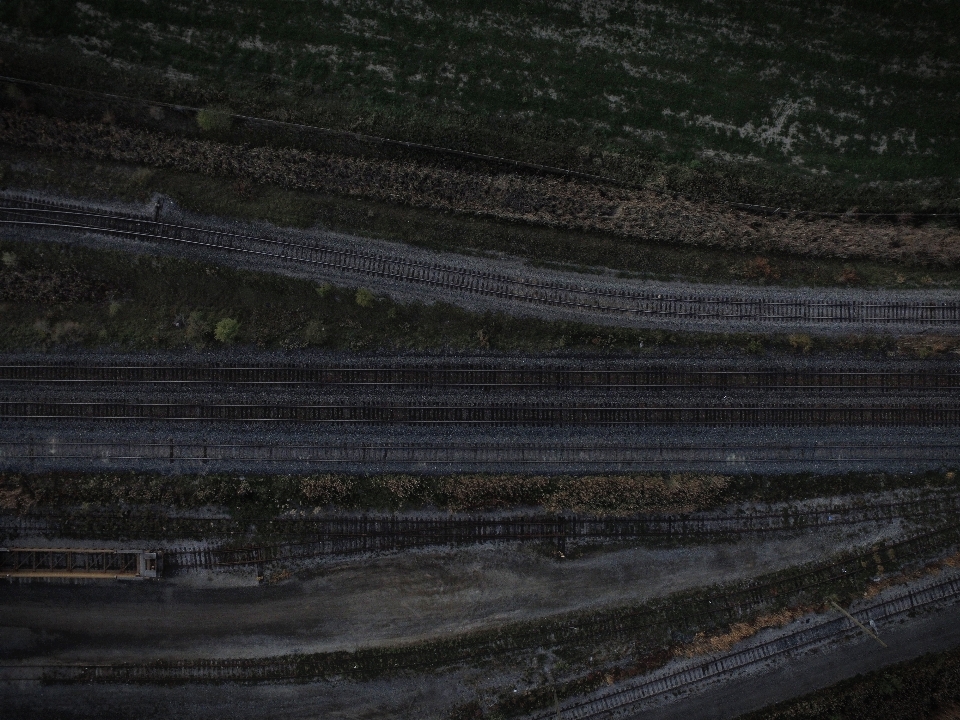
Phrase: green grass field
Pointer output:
(802, 103)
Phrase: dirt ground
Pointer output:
(391, 599)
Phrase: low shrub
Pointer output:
(365, 298)
(226, 330)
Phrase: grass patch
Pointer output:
(264, 496)
(63, 295)
(781, 103)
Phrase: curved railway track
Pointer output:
(446, 375)
(629, 697)
(904, 414)
(626, 304)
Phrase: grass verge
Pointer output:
(56, 295)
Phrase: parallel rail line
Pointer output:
(342, 535)
(630, 304)
(453, 375)
(480, 454)
(894, 415)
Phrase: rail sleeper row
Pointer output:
(420, 456)
(628, 303)
(937, 413)
(482, 376)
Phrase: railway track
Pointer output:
(429, 456)
(373, 412)
(628, 305)
(631, 696)
(340, 536)
(711, 610)
(446, 375)
(344, 535)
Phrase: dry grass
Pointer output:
(704, 644)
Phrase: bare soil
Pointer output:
(381, 601)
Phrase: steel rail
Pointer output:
(485, 454)
(631, 695)
(470, 376)
(913, 413)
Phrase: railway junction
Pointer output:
(575, 361)
(885, 552)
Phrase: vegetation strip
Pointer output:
(553, 203)
(621, 92)
(577, 251)
(57, 295)
(496, 160)
(910, 690)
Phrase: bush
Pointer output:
(214, 119)
(67, 333)
(760, 269)
(315, 333)
(198, 329)
(226, 330)
(365, 298)
(324, 290)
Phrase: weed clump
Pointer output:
(364, 298)
(800, 342)
(760, 269)
(226, 330)
(198, 328)
(214, 119)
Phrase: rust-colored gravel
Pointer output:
(556, 202)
